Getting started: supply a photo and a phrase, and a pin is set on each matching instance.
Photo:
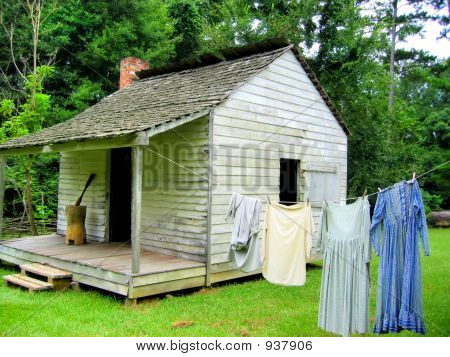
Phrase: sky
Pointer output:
(428, 41)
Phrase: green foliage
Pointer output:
(30, 115)
(44, 186)
(431, 202)
(188, 25)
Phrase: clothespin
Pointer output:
(268, 199)
(365, 193)
(414, 176)
(307, 200)
(379, 189)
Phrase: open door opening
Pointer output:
(120, 195)
(288, 181)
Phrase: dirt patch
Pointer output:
(181, 324)
(244, 333)
(207, 291)
(217, 324)
(143, 305)
(254, 324)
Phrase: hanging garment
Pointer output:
(287, 243)
(343, 238)
(398, 219)
(245, 246)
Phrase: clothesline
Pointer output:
(265, 201)
(376, 192)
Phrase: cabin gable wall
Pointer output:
(277, 114)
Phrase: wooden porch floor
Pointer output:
(106, 265)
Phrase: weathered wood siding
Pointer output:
(74, 170)
(174, 200)
(277, 114)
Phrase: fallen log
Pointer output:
(440, 218)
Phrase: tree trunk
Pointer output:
(392, 59)
(29, 200)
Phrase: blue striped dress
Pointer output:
(397, 222)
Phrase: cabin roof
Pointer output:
(166, 94)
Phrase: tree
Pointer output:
(27, 117)
(409, 23)
(188, 26)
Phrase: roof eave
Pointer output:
(108, 142)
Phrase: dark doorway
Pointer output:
(288, 181)
(120, 195)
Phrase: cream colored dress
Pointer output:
(287, 243)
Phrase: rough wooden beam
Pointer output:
(96, 144)
(136, 197)
(210, 189)
(108, 196)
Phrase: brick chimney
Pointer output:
(128, 68)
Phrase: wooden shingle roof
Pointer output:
(158, 99)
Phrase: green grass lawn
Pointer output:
(250, 308)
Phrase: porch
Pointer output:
(107, 266)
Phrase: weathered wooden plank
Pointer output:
(279, 119)
(272, 152)
(176, 247)
(290, 113)
(168, 276)
(287, 130)
(27, 282)
(231, 274)
(154, 289)
(288, 99)
(170, 232)
(228, 146)
(199, 221)
(174, 240)
(45, 238)
(195, 257)
(227, 136)
(45, 270)
(161, 222)
(170, 265)
(101, 284)
(12, 259)
(93, 252)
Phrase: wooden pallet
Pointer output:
(27, 282)
(60, 279)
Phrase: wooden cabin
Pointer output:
(168, 150)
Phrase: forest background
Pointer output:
(58, 57)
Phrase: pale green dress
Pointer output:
(344, 240)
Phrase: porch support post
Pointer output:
(2, 190)
(136, 198)
(210, 193)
